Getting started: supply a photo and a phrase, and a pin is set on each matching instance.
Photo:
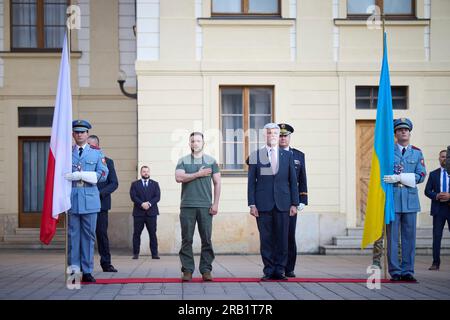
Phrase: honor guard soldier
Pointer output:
(88, 168)
(300, 169)
(409, 170)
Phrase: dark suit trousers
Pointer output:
(292, 245)
(273, 229)
(438, 228)
(102, 239)
(150, 224)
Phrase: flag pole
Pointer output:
(66, 220)
(384, 224)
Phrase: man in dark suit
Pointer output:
(437, 189)
(300, 169)
(105, 189)
(272, 197)
(145, 194)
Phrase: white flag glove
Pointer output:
(301, 206)
(89, 176)
(73, 176)
(392, 179)
(408, 179)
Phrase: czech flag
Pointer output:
(57, 188)
(380, 199)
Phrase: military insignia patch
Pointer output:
(422, 161)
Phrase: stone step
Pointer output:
(356, 241)
(14, 238)
(352, 250)
(55, 245)
(34, 231)
(420, 232)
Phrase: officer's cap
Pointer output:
(403, 123)
(81, 126)
(285, 129)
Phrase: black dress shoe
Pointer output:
(135, 256)
(87, 277)
(156, 257)
(396, 278)
(281, 277)
(434, 267)
(409, 278)
(266, 278)
(290, 274)
(109, 268)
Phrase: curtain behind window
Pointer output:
(55, 23)
(34, 167)
(24, 23)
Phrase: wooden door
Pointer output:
(365, 130)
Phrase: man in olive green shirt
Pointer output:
(195, 172)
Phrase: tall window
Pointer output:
(393, 8)
(244, 112)
(38, 24)
(34, 156)
(246, 7)
(367, 97)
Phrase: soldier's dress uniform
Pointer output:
(300, 169)
(406, 202)
(85, 199)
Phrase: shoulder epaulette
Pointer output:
(415, 148)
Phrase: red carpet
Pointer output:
(199, 280)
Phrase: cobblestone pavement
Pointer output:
(39, 275)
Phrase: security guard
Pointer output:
(409, 170)
(88, 168)
(300, 168)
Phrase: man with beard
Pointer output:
(145, 194)
(195, 172)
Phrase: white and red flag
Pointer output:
(57, 188)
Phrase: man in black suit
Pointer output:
(105, 189)
(145, 194)
(272, 197)
(437, 189)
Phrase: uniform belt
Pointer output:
(399, 185)
(81, 184)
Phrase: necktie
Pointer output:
(80, 151)
(273, 161)
(145, 183)
(444, 181)
(403, 151)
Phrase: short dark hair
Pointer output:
(196, 133)
(443, 151)
(144, 167)
(96, 138)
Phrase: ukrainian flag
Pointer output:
(380, 199)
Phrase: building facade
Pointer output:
(225, 67)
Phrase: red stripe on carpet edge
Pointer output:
(199, 280)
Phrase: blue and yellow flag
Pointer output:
(380, 199)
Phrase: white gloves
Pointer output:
(73, 176)
(87, 176)
(408, 179)
(392, 179)
(301, 206)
